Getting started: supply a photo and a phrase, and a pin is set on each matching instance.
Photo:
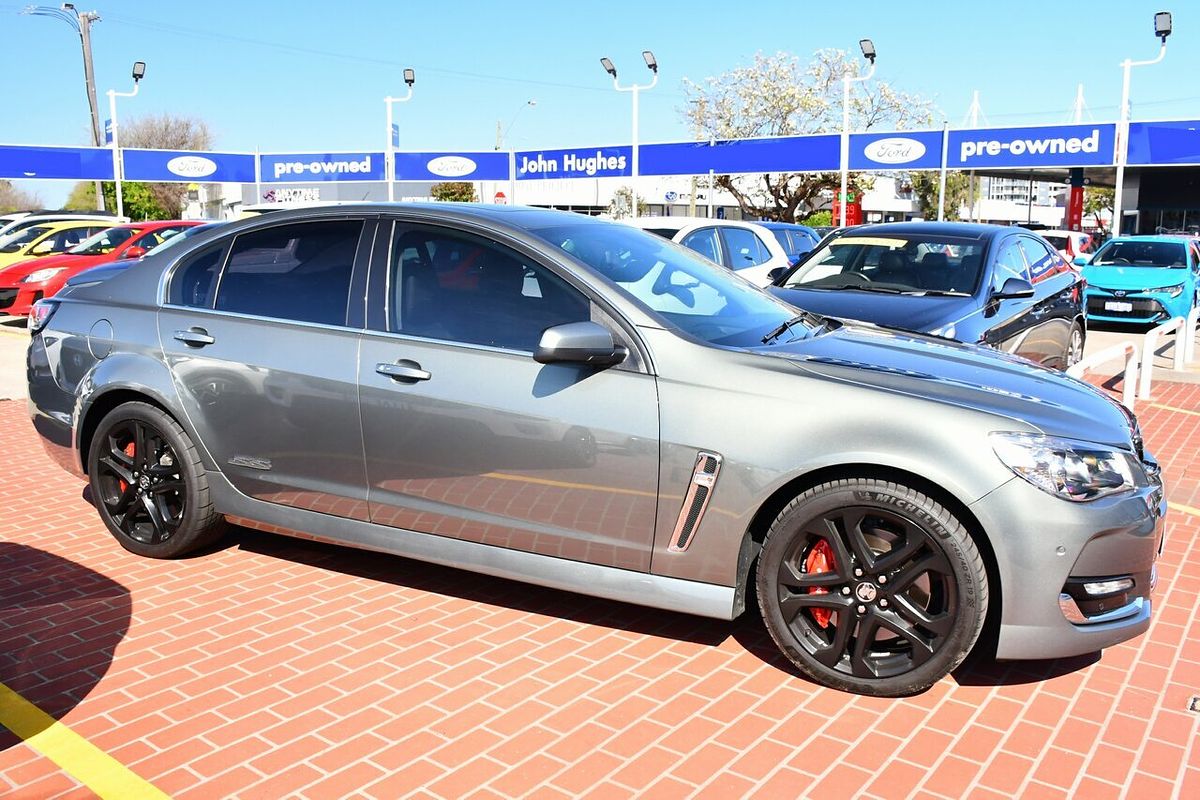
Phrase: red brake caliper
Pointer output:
(820, 559)
(130, 451)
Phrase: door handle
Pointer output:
(194, 337)
(404, 371)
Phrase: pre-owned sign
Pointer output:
(1052, 146)
(314, 167)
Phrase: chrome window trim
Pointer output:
(259, 318)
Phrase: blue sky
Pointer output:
(311, 76)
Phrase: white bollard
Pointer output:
(1151, 345)
(1189, 335)
(1127, 350)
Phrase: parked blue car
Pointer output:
(1145, 279)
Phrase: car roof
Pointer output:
(969, 230)
(1167, 238)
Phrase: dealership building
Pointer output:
(1030, 174)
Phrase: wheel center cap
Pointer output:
(866, 592)
(144, 481)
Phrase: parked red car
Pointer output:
(24, 283)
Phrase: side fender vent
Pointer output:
(695, 503)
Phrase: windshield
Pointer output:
(21, 238)
(919, 264)
(1141, 254)
(104, 242)
(689, 292)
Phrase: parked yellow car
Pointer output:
(47, 239)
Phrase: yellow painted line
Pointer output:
(78, 757)
(1176, 410)
(566, 485)
(1195, 512)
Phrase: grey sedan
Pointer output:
(582, 405)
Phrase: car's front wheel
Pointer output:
(149, 485)
(1074, 353)
(871, 587)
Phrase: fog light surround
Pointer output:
(1110, 586)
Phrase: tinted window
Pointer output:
(299, 272)
(105, 242)
(462, 288)
(745, 248)
(704, 242)
(1041, 262)
(914, 263)
(16, 241)
(1009, 264)
(66, 239)
(1134, 253)
(1058, 242)
(195, 278)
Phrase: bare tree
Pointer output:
(167, 132)
(14, 199)
(779, 96)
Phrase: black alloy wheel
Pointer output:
(871, 587)
(149, 485)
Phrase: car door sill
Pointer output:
(596, 580)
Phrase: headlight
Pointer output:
(1065, 468)
(1171, 291)
(42, 274)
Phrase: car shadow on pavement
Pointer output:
(60, 624)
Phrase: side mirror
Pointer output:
(579, 343)
(134, 252)
(1014, 288)
(1080, 261)
(778, 272)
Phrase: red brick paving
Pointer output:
(274, 667)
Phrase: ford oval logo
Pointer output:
(451, 166)
(896, 150)
(192, 166)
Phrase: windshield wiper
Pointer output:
(940, 293)
(812, 319)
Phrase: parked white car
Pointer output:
(748, 249)
(1069, 244)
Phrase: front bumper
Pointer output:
(1145, 307)
(1047, 548)
(19, 299)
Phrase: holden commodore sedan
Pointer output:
(582, 405)
(986, 284)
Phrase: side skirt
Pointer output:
(611, 583)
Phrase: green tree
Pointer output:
(14, 199)
(779, 96)
(925, 193)
(1096, 201)
(140, 200)
(818, 219)
(454, 192)
(622, 203)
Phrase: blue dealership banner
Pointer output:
(71, 163)
(579, 162)
(897, 150)
(1176, 142)
(186, 166)
(488, 165)
(321, 167)
(1045, 146)
(820, 153)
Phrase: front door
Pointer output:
(258, 335)
(468, 437)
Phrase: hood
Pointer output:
(909, 312)
(1111, 277)
(963, 375)
(27, 265)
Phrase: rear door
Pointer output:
(468, 437)
(262, 340)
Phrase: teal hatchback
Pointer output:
(1144, 279)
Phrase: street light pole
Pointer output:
(868, 51)
(1162, 29)
(139, 71)
(502, 132)
(635, 89)
(389, 159)
(81, 22)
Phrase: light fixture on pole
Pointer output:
(652, 65)
(393, 135)
(139, 72)
(868, 51)
(1162, 29)
(81, 22)
(502, 133)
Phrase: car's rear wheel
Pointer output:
(149, 485)
(871, 587)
